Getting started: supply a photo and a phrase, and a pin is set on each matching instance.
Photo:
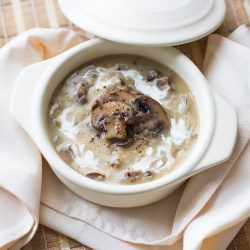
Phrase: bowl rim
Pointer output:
(58, 165)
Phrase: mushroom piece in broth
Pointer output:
(123, 119)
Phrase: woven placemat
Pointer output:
(16, 16)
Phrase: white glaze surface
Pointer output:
(215, 143)
(146, 22)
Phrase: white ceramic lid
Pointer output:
(146, 22)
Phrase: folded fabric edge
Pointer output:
(85, 233)
(18, 234)
(229, 45)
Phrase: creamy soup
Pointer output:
(123, 119)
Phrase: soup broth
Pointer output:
(123, 119)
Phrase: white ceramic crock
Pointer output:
(218, 121)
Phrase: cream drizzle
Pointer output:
(155, 159)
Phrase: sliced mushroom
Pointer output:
(78, 75)
(122, 86)
(142, 117)
(65, 151)
(149, 123)
(142, 113)
(157, 129)
(136, 174)
(111, 95)
(125, 143)
(152, 125)
(152, 116)
(79, 78)
(152, 74)
(164, 83)
(112, 118)
(95, 176)
(132, 175)
(148, 174)
(82, 93)
(129, 138)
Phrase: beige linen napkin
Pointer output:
(204, 213)
(20, 162)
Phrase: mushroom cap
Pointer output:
(122, 86)
(115, 108)
(112, 117)
(152, 74)
(117, 94)
(152, 116)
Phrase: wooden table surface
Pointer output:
(16, 16)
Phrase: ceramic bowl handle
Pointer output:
(23, 94)
(225, 135)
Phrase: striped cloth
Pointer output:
(17, 16)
